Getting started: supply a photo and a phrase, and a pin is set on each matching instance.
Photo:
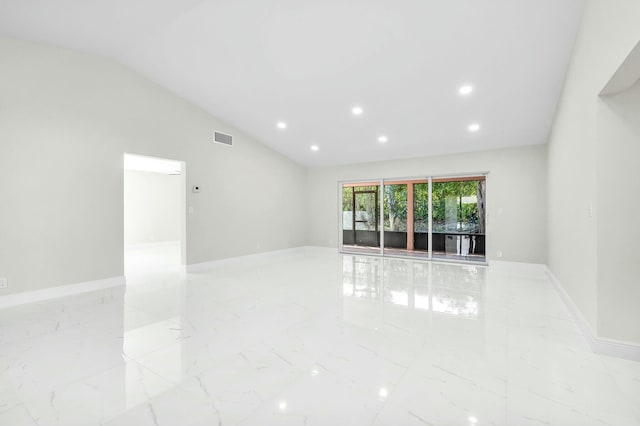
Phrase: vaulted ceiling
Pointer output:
(308, 63)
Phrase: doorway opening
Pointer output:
(154, 215)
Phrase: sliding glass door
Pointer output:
(361, 217)
(395, 216)
(459, 218)
(421, 218)
(406, 218)
(429, 218)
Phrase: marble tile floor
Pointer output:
(310, 337)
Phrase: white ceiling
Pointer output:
(253, 63)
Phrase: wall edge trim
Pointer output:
(11, 300)
(599, 345)
(255, 257)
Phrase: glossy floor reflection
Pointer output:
(310, 337)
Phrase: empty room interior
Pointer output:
(278, 212)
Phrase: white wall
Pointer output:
(516, 196)
(588, 146)
(152, 207)
(619, 215)
(67, 118)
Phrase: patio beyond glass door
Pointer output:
(361, 218)
(421, 218)
(459, 218)
(395, 216)
(406, 218)
(429, 218)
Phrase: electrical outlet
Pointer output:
(4, 283)
(499, 253)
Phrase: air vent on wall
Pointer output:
(223, 138)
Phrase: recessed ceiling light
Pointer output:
(356, 110)
(474, 127)
(282, 125)
(382, 139)
(314, 147)
(465, 90)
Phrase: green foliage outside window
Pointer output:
(451, 212)
(458, 206)
(395, 208)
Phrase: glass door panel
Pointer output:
(360, 218)
(395, 218)
(406, 218)
(459, 218)
(348, 237)
(421, 219)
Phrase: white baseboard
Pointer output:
(518, 268)
(585, 328)
(599, 345)
(320, 249)
(59, 291)
(268, 255)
